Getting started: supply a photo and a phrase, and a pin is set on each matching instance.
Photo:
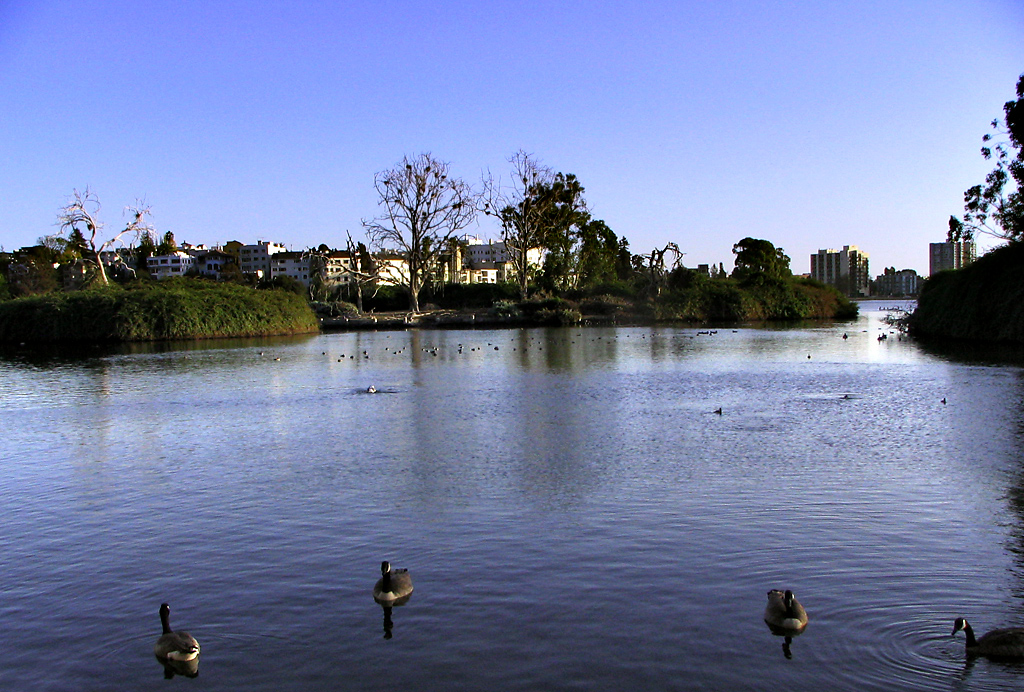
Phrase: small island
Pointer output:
(154, 311)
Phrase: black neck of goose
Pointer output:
(790, 602)
(385, 581)
(165, 620)
(969, 631)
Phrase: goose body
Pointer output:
(394, 584)
(1007, 642)
(175, 646)
(784, 612)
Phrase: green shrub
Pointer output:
(603, 305)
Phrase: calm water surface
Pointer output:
(574, 513)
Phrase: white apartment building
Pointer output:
(846, 269)
(338, 267)
(293, 264)
(255, 259)
(166, 266)
(392, 269)
(480, 252)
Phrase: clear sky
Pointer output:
(810, 124)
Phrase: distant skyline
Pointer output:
(810, 124)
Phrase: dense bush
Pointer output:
(387, 299)
(983, 301)
(604, 305)
(550, 310)
(471, 296)
(725, 300)
(335, 308)
(172, 309)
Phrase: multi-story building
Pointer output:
(479, 252)
(178, 263)
(942, 256)
(213, 262)
(255, 259)
(293, 264)
(490, 262)
(846, 269)
(338, 267)
(392, 269)
(892, 283)
(234, 248)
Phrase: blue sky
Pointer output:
(810, 124)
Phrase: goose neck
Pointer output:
(969, 631)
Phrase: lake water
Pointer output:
(574, 513)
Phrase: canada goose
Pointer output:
(394, 584)
(1007, 642)
(371, 389)
(784, 612)
(176, 646)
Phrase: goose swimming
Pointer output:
(175, 646)
(394, 584)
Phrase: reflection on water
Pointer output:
(189, 669)
(389, 624)
(576, 514)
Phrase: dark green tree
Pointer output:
(565, 213)
(758, 261)
(997, 207)
(283, 282)
(31, 271)
(144, 250)
(623, 261)
(598, 254)
(167, 244)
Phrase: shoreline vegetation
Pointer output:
(187, 309)
(155, 312)
(984, 301)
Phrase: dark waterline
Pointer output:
(574, 512)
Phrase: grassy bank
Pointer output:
(981, 302)
(176, 309)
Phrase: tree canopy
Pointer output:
(758, 260)
(997, 207)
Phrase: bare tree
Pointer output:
(657, 268)
(522, 208)
(423, 208)
(362, 270)
(79, 215)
